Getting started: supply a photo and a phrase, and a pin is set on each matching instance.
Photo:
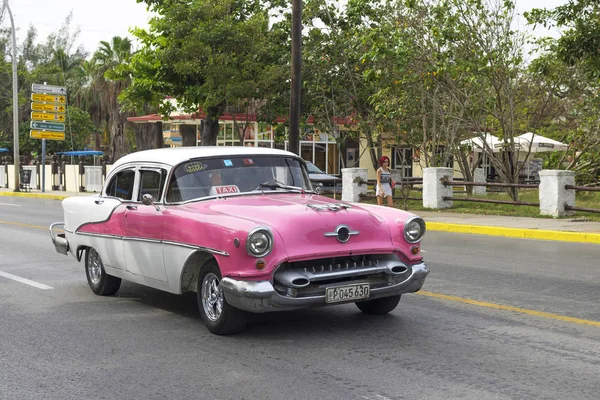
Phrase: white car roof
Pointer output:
(176, 155)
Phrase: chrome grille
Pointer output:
(310, 277)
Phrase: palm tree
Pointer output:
(106, 83)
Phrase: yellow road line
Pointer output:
(538, 234)
(24, 225)
(510, 308)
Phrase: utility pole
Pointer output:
(294, 136)
(15, 102)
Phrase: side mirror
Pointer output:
(148, 200)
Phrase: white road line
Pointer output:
(25, 281)
(10, 205)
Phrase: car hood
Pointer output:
(306, 222)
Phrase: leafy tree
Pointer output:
(579, 22)
(572, 63)
(207, 54)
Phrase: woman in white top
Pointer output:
(384, 182)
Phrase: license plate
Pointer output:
(347, 292)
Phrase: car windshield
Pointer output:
(200, 178)
(313, 169)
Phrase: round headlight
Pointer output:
(414, 229)
(259, 242)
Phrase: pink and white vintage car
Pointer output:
(243, 228)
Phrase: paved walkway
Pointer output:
(563, 229)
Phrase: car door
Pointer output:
(143, 227)
(120, 186)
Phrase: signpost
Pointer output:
(47, 126)
(48, 105)
(42, 116)
(47, 135)
(47, 98)
(48, 89)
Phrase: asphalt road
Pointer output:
(497, 319)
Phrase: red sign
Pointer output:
(226, 189)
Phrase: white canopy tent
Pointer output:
(539, 143)
(477, 142)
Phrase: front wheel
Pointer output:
(379, 306)
(100, 282)
(219, 316)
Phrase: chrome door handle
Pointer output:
(99, 201)
(132, 207)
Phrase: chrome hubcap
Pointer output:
(212, 297)
(94, 269)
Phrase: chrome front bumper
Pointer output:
(260, 296)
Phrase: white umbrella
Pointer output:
(539, 143)
(477, 142)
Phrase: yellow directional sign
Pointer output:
(48, 107)
(47, 135)
(41, 116)
(48, 98)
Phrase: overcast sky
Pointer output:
(102, 19)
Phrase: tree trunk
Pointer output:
(119, 145)
(210, 125)
(149, 136)
(188, 135)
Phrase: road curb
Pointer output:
(538, 234)
(34, 195)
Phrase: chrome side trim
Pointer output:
(136, 239)
(189, 246)
(103, 235)
(202, 248)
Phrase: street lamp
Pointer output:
(15, 100)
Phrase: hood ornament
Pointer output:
(330, 206)
(342, 233)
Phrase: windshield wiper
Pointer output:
(279, 185)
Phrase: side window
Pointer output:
(121, 185)
(152, 183)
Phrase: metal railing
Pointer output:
(409, 181)
(491, 184)
(582, 189)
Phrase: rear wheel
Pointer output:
(379, 306)
(100, 282)
(219, 316)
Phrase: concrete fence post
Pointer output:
(352, 186)
(479, 177)
(434, 190)
(553, 195)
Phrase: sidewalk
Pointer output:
(564, 229)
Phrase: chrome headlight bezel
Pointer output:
(408, 224)
(255, 234)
